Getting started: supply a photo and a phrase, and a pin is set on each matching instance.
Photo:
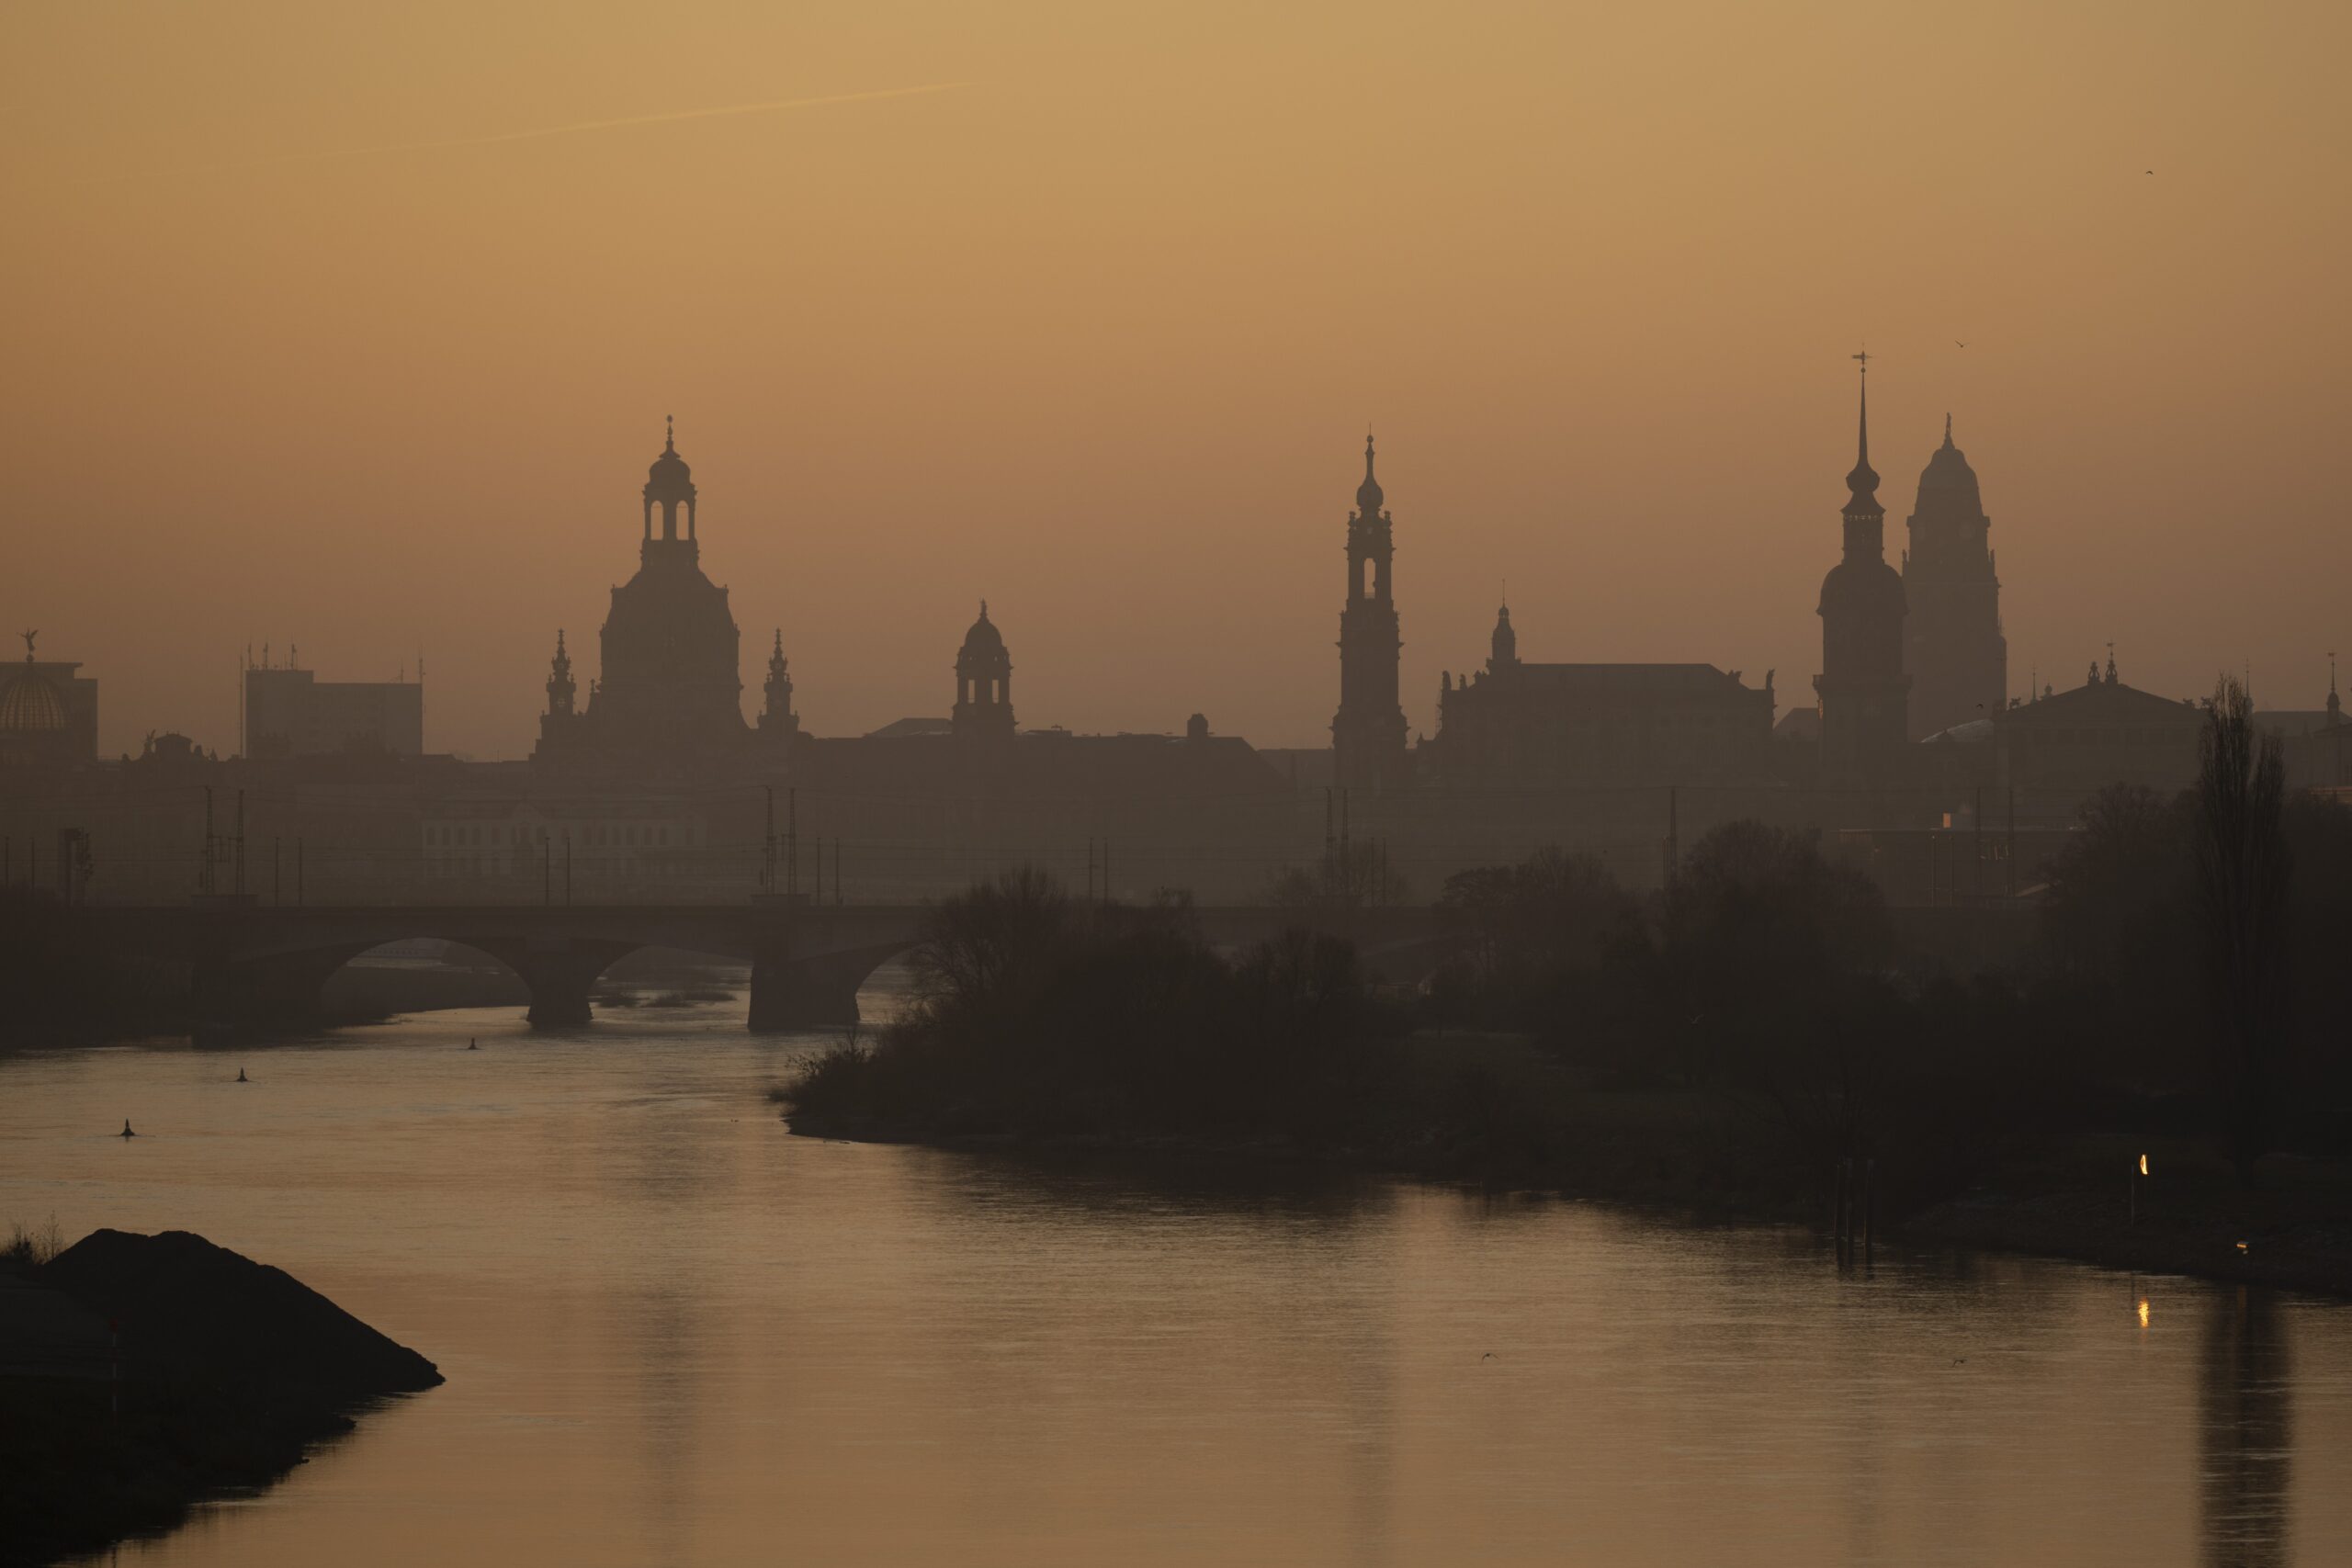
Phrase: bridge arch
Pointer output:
(408, 973)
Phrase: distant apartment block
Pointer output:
(292, 713)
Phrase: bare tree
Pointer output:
(2240, 906)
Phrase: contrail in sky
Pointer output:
(774, 107)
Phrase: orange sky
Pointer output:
(1096, 333)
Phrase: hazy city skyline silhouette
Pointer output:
(1097, 334)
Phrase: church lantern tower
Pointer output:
(670, 485)
(1953, 647)
(1368, 732)
(983, 684)
(1861, 685)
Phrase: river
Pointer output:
(676, 1335)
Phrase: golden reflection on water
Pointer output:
(675, 1335)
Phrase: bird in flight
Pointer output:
(1957, 343)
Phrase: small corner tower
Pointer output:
(1505, 647)
(778, 723)
(1368, 732)
(561, 689)
(1861, 683)
(983, 684)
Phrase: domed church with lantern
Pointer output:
(667, 697)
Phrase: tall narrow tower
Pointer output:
(1861, 683)
(1368, 732)
(1953, 646)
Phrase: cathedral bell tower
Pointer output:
(1863, 689)
(1368, 732)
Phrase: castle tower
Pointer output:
(1861, 683)
(1952, 647)
(1368, 732)
(983, 684)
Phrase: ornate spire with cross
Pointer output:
(669, 432)
(1863, 481)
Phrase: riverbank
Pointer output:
(1489, 1110)
(140, 1376)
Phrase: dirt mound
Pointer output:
(186, 1305)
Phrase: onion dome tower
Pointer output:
(983, 684)
(1953, 647)
(1368, 732)
(1861, 685)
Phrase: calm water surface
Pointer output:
(676, 1335)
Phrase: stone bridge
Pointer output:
(260, 966)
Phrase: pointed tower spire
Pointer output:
(669, 432)
(776, 718)
(560, 689)
(1863, 481)
(1947, 432)
(1370, 498)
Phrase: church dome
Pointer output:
(983, 637)
(669, 476)
(1369, 496)
(1863, 586)
(30, 706)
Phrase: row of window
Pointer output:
(632, 835)
(2110, 735)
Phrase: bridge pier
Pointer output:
(560, 974)
(229, 998)
(812, 993)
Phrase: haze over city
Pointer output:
(1095, 328)
(1052, 785)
